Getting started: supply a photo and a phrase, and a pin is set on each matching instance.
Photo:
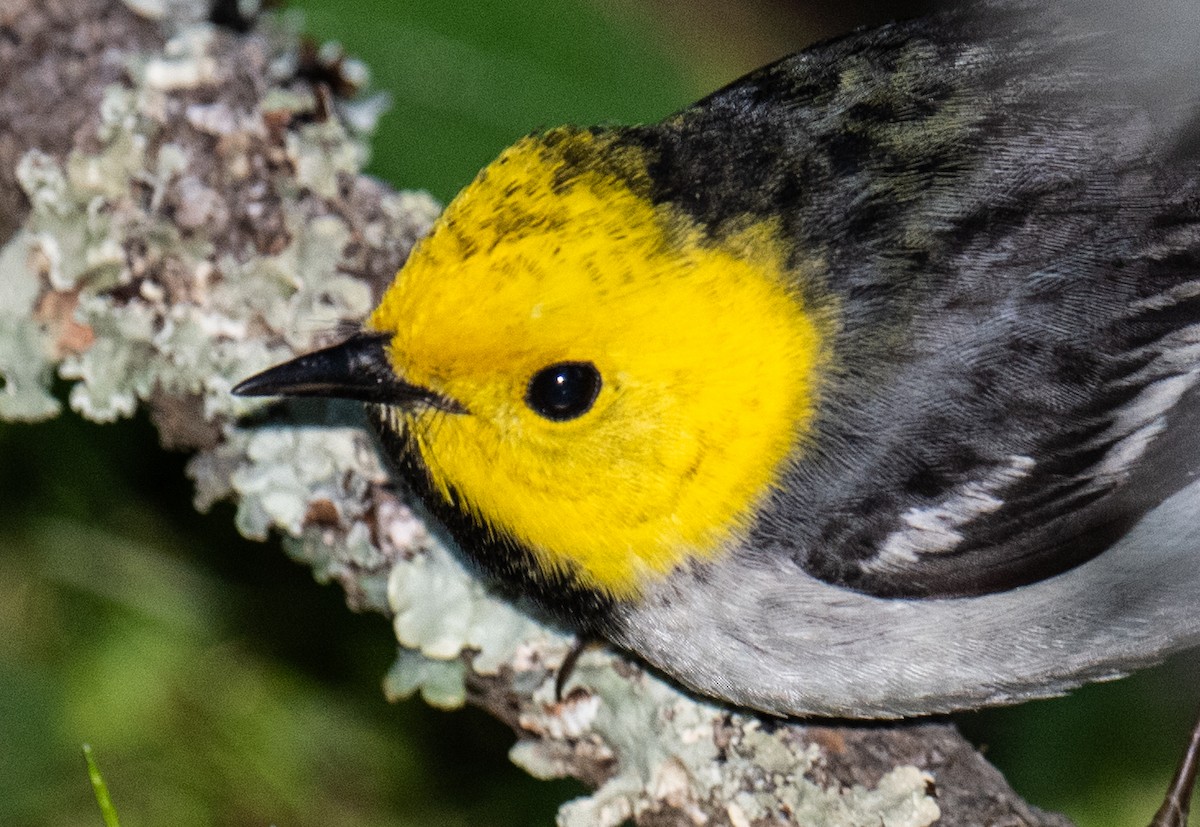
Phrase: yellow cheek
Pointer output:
(668, 465)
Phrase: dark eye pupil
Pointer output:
(563, 391)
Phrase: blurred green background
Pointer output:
(219, 685)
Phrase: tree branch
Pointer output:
(180, 209)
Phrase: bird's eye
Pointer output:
(563, 391)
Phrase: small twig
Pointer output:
(1175, 807)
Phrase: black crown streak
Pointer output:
(357, 369)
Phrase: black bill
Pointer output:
(358, 369)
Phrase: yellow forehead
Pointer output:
(707, 353)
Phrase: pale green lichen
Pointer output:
(760, 777)
(441, 610)
(286, 469)
(440, 682)
(324, 156)
(26, 360)
(178, 11)
(71, 236)
(187, 62)
(70, 227)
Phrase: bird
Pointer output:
(868, 386)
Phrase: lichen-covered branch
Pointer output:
(180, 208)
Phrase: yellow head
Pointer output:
(629, 386)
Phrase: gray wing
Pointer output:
(975, 472)
(1011, 216)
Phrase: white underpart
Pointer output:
(935, 528)
(757, 630)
